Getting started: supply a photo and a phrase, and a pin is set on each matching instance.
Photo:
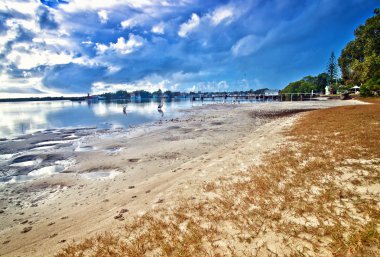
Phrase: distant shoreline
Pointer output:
(37, 99)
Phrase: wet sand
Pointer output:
(76, 183)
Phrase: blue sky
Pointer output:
(71, 47)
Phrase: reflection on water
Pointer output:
(27, 117)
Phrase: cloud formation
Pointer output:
(121, 46)
(55, 47)
(189, 26)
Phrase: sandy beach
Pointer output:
(73, 184)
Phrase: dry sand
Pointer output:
(135, 171)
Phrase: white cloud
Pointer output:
(222, 14)
(113, 69)
(88, 42)
(211, 86)
(103, 16)
(159, 28)
(26, 86)
(37, 57)
(247, 45)
(189, 26)
(145, 84)
(25, 7)
(129, 23)
(121, 46)
(86, 5)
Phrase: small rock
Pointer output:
(65, 217)
(124, 210)
(53, 235)
(24, 222)
(119, 217)
(51, 223)
(62, 241)
(6, 242)
(147, 192)
(26, 229)
(131, 187)
(160, 201)
(134, 196)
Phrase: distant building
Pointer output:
(327, 90)
(355, 89)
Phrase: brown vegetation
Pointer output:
(316, 196)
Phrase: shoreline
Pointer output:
(137, 173)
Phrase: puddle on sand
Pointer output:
(6, 157)
(100, 175)
(114, 150)
(44, 147)
(38, 173)
(72, 136)
(49, 170)
(83, 148)
(40, 144)
(26, 163)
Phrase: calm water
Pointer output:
(28, 117)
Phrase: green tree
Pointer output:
(260, 91)
(308, 84)
(332, 69)
(360, 59)
(300, 86)
(321, 82)
(157, 93)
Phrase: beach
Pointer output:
(74, 184)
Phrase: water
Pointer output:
(20, 118)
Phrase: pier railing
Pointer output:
(257, 97)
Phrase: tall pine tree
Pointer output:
(332, 69)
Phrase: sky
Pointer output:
(75, 47)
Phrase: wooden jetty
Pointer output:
(255, 97)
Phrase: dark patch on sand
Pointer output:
(277, 113)
(217, 123)
(25, 158)
(174, 127)
(186, 130)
